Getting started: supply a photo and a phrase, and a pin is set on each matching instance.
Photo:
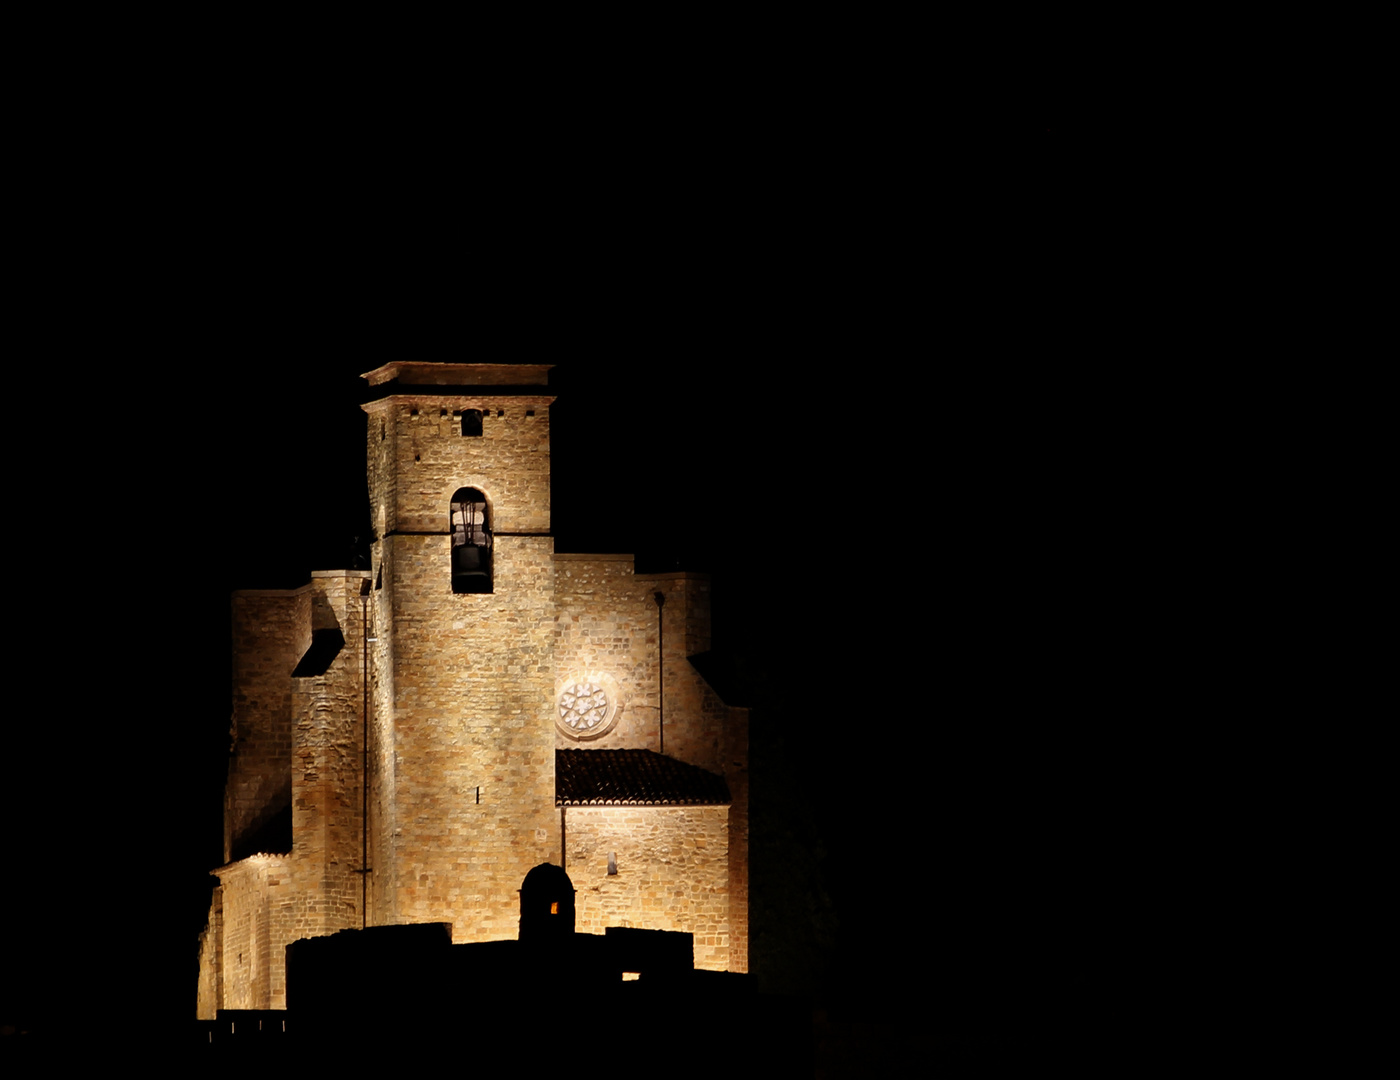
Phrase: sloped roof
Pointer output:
(633, 778)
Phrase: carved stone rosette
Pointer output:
(588, 705)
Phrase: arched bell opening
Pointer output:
(471, 542)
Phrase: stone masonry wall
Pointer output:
(694, 718)
(209, 998)
(607, 622)
(672, 873)
(463, 696)
(327, 762)
(271, 630)
(307, 731)
(384, 831)
(473, 678)
(246, 962)
(463, 683)
(418, 458)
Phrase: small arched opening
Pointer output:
(546, 904)
(471, 542)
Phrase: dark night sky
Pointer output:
(261, 481)
(813, 382)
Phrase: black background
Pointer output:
(827, 345)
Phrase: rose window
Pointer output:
(589, 705)
(583, 706)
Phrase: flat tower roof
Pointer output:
(431, 373)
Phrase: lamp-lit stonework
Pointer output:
(589, 706)
(397, 729)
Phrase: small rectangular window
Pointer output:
(471, 421)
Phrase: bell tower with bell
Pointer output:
(462, 620)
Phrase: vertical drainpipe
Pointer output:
(660, 598)
(364, 760)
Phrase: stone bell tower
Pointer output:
(461, 665)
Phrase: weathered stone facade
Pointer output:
(672, 873)
(460, 709)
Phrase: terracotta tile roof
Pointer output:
(632, 778)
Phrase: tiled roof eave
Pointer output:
(633, 777)
(640, 802)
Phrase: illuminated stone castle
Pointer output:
(411, 739)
